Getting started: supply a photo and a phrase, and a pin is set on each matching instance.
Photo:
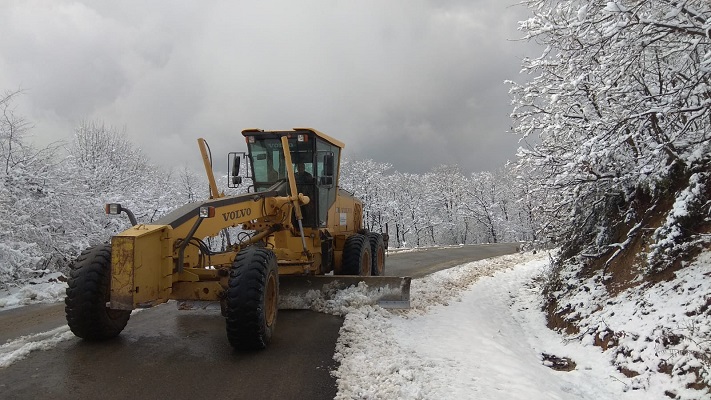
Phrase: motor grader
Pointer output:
(300, 232)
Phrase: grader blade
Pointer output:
(301, 292)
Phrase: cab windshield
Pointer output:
(268, 163)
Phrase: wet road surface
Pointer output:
(167, 353)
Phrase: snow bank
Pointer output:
(49, 289)
(475, 331)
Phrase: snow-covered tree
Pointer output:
(442, 206)
(447, 186)
(620, 108)
(366, 179)
(51, 206)
(484, 206)
(189, 184)
(26, 216)
(104, 159)
(534, 207)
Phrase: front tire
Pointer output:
(357, 259)
(377, 249)
(88, 291)
(252, 299)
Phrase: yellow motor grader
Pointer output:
(300, 232)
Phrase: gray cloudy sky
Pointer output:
(413, 83)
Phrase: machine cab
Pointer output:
(315, 158)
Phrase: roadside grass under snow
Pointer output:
(659, 334)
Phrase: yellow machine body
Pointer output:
(306, 225)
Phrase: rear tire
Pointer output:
(88, 291)
(252, 299)
(377, 249)
(357, 259)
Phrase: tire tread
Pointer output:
(355, 249)
(376, 244)
(88, 290)
(244, 316)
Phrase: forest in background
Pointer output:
(52, 199)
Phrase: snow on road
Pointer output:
(15, 350)
(475, 332)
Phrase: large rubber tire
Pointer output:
(357, 259)
(252, 299)
(377, 250)
(88, 291)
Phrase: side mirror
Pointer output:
(326, 168)
(236, 180)
(328, 165)
(235, 160)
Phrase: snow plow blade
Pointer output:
(300, 292)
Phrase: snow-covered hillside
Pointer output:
(478, 331)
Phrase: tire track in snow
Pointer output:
(18, 349)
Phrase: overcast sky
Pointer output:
(413, 83)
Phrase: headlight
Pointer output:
(113, 208)
(207, 212)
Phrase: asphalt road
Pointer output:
(419, 263)
(166, 353)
